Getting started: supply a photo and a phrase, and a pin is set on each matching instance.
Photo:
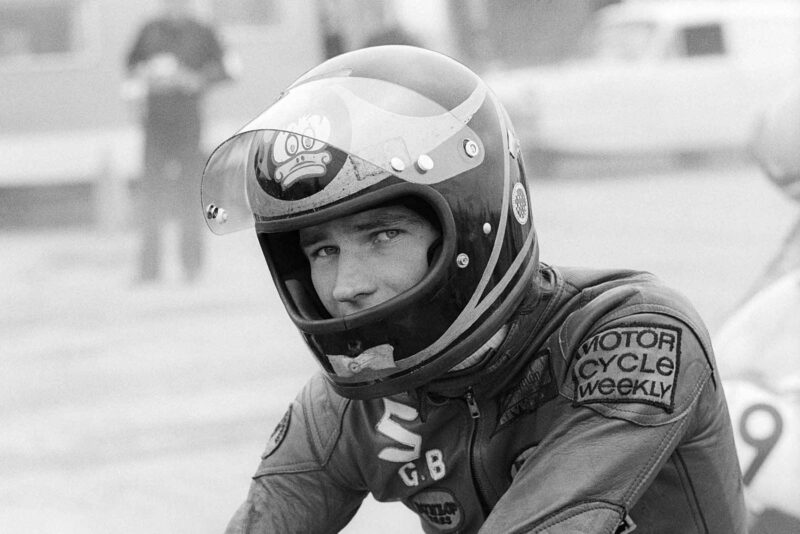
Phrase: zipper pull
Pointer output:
(471, 404)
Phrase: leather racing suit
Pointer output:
(601, 412)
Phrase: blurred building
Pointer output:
(64, 121)
(62, 64)
(478, 32)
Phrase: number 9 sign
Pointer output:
(760, 427)
(757, 352)
(767, 432)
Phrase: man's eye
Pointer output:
(386, 235)
(322, 252)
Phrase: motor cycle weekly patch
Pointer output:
(629, 363)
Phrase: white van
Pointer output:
(657, 76)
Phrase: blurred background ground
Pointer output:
(135, 409)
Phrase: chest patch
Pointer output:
(536, 388)
(634, 363)
(438, 508)
(278, 435)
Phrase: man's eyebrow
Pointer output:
(309, 237)
(386, 219)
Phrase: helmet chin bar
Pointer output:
(438, 366)
(432, 371)
(370, 331)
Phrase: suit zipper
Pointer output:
(475, 414)
(472, 405)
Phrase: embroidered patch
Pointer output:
(438, 508)
(277, 436)
(631, 363)
(535, 388)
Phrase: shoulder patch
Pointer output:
(631, 363)
(277, 436)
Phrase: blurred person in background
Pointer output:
(174, 60)
(486, 390)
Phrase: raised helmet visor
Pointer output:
(308, 151)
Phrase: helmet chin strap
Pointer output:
(494, 342)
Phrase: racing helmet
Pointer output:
(373, 127)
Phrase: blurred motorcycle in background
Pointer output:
(758, 352)
(758, 348)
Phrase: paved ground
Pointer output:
(143, 409)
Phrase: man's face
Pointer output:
(367, 258)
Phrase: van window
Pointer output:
(703, 40)
(625, 41)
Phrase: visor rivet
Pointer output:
(424, 163)
(354, 367)
(513, 144)
(471, 148)
(397, 164)
(216, 213)
(462, 260)
(487, 228)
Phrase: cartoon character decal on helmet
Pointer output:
(378, 126)
(292, 157)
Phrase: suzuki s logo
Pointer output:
(301, 153)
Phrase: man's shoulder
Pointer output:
(326, 410)
(625, 291)
(594, 279)
(611, 299)
(320, 400)
(630, 345)
(306, 435)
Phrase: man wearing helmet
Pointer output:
(484, 389)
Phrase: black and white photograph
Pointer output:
(400, 266)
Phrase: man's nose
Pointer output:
(354, 282)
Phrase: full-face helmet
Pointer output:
(382, 125)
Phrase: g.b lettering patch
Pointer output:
(635, 363)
